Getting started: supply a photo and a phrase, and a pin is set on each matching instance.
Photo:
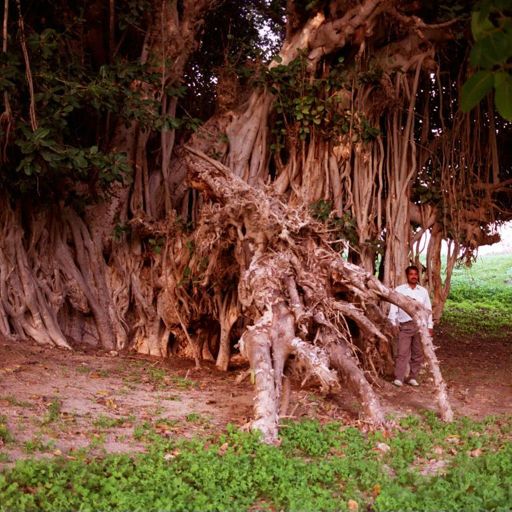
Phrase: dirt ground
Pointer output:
(55, 402)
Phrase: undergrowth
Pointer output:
(480, 300)
(423, 464)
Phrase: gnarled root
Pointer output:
(287, 277)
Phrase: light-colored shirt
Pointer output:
(397, 316)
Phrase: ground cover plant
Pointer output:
(422, 464)
(480, 300)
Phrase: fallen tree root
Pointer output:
(285, 287)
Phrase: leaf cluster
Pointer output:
(341, 227)
(237, 38)
(491, 25)
(306, 105)
(77, 104)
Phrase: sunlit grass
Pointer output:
(480, 301)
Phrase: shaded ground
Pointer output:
(55, 402)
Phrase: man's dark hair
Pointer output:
(412, 267)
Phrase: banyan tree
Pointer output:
(197, 178)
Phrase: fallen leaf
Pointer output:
(111, 404)
(223, 449)
(383, 447)
(353, 505)
(171, 455)
(11, 369)
(475, 453)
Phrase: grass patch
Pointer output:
(480, 300)
(317, 467)
(53, 412)
(12, 400)
(38, 445)
(195, 417)
(110, 422)
(5, 433)
(97, 441)
(84, 369)
(171, 398)
(183, 383)
(159, 378)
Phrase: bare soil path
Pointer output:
(56, 402)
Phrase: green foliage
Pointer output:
(132, 12)
(5, 433)
(80, 96)
(475, 89)
(321, 209)
(304, 105)
(491, 25)
(54, 410)
(237, 37)
(317, 467)
(12, 400)
(503, 93)
(480, 300)
(341, 227)
(120, 230)
(475, 458)
(156, 244)
(68, 96)
(110, 422)
(423, 194)
(38, 445)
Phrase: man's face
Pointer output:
(413, 277)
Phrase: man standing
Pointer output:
(410, 351)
